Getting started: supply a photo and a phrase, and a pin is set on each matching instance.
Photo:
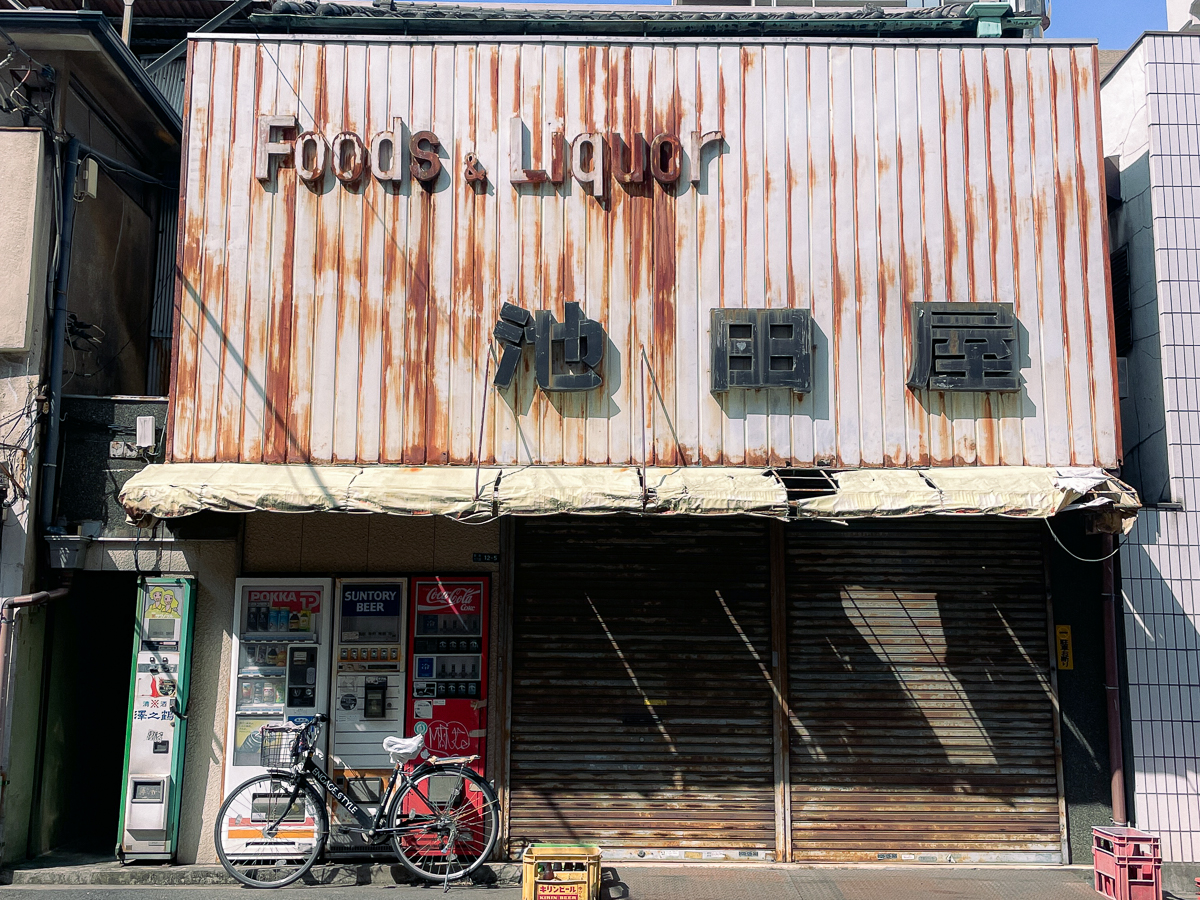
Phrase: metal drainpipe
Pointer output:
(1112, 682)
(58, 329)
(8, 615)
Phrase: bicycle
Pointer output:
(442, 817)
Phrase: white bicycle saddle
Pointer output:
(404, 748)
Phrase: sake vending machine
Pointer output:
(448, 641)
(281, 663)
(156, 731)
(368, 695)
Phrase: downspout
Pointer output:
(8, 614)
(1112, 682)
(58, 337)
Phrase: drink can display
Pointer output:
(247, 691)
(258, 692)
(305, 620)
(268, 692)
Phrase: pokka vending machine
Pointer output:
(157, 726)
(368, 695)
(448, 699)
(281, 664)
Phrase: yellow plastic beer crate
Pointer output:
(560, 872)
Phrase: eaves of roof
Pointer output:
(97, 25)
(955, 20)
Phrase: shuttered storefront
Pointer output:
(641, 707)
(921, 717)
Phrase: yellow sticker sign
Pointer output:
(1062, 643)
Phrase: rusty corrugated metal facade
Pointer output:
(353, 325)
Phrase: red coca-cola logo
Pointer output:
(461, 597)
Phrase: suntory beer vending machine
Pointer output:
(368, 693)
(448, 639)
(281, 640)
(156, 730)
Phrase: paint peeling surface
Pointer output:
(348, 320)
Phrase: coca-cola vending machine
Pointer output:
(447, 665)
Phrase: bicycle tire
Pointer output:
(265, 861)
(462, 830)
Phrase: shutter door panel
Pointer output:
(640, 715)
(920, 709)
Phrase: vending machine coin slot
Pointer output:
(376, 691)
(302, 677)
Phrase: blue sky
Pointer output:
(1115, 23)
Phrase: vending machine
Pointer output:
(368, 695)
(157, 727)
(281, 663)
(448, 643)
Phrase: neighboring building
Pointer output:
(768, 646)
(72, 89)
(1152, 143)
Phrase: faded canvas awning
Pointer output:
(180, 489)
(460, 492)
(1022, 491)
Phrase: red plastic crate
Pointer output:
(1127, 864)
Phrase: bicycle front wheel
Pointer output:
(447, 820)
(271, 830)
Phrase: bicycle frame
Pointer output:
(370, 825)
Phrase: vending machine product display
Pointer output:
(157, 727)
(281, 672)
(448, 697)
(368, 694)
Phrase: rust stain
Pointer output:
(1061, 192)
(989, 445)
(275, 439)
(418, 336)
(1082, 83)
(187, 283)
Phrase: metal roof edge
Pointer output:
(97, 24)
(268, 38)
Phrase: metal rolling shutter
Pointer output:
(641, 713)
(921, 721)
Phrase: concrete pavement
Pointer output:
(625, 881)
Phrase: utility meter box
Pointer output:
(156, 730)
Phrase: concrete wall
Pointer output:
(1151, 119)
(19, 376)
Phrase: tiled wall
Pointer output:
(1161, 558)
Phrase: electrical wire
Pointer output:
(1076, 556)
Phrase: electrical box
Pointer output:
(157, 727)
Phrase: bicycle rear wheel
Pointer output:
(450, 817)
(271, 830)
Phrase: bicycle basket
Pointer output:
(278, 750)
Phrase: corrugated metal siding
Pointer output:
(353, 326)
(919, 693)
(170, 79)
(158, 377)
(641, 711)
